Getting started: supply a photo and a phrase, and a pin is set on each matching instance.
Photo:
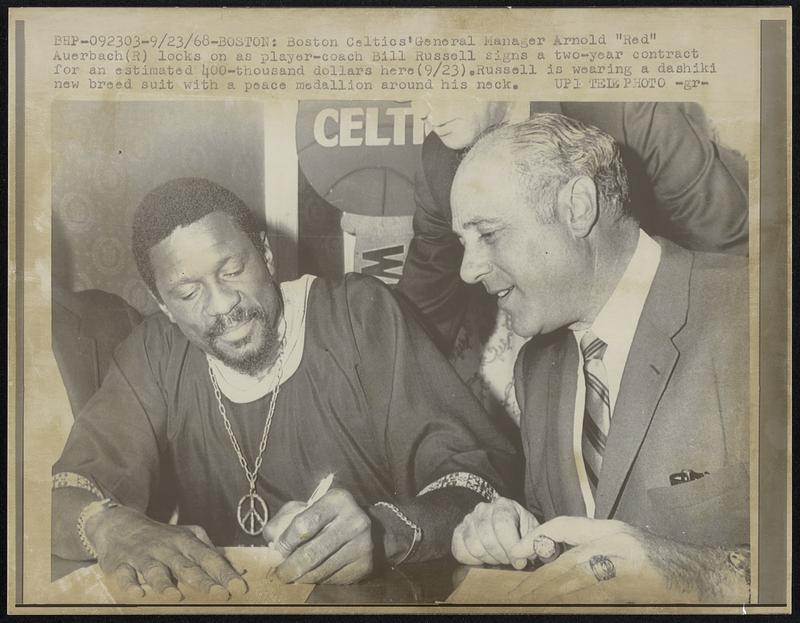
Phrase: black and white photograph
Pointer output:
(430, 350)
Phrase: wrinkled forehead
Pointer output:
(199, 245)
(485, 186)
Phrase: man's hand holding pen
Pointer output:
(328, 541)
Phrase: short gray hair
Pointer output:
(550, 149)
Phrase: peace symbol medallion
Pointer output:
(252, 513)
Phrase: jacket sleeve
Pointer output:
(700, 186)
(430, 279)
(684, 185)
(530, 498)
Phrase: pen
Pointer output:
(322, 489)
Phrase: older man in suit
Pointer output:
(633, 389)
(685, 185)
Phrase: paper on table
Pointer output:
(487, 586)
(88, 585)
(84, 586)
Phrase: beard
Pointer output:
(251, 361)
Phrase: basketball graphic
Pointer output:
(357, 159)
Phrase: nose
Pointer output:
(474, 265)
(221, 299)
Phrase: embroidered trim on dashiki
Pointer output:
(71, 479)
(463, 479)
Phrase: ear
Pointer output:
(269, 259)
(164, 309)
(577, 204)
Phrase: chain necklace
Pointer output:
(252, 512)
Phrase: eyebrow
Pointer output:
(480, 221)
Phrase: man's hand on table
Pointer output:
(610, 561)
(490, 532)
(130, 545)
(327, 542)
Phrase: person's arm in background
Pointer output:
(699, 186)
(430, 279)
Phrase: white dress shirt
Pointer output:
(615, 325)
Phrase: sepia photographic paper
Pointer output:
(340, 131)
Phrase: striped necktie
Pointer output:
(597, 410)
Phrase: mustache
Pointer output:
(235, 316)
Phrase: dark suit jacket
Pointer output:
(682, 404)
(694, 191)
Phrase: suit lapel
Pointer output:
(562, 474)
(650, 363)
